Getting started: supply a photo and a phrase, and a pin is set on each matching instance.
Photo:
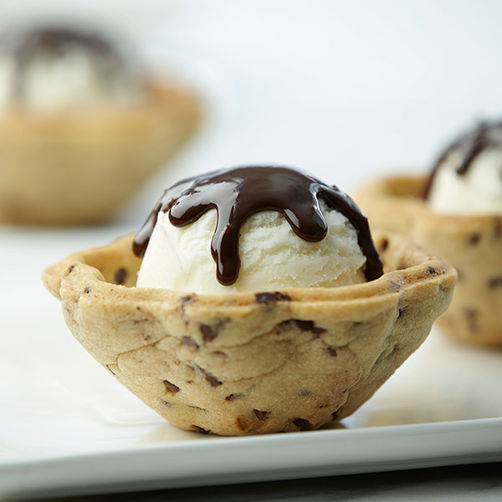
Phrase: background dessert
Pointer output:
(48, 69)
(456, 212)
(82, 125)
(265, 360)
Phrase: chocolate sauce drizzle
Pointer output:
(25, 46)
(238, 193)
(470, 145)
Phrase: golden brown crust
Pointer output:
(247, 363)
(78, 167)
(472, 244)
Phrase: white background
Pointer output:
(338, 88)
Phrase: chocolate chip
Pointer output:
(495, 282)
(304, 392)
(184, 301)
(242, 423)
(194, 407)
(261, 415)
(170, 387)
(71, 268)
(138, 308)
(120, 276)
(189, 342)
(213, 381)
(331, 351)
(431, 270)
(472, 319)
(208, 333)
(87, 290)
(233, 397)
(308, 326)
(302, 326)
(276, 296)
(303, 424)
(384, 244)
(200, 429)
(474, 239)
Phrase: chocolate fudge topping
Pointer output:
(25, 46)
(470, 145)
(239, 193)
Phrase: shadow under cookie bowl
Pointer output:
(253, 360)
(82, 126)
(456, 212)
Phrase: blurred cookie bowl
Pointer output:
(472, 243)
(455, 211)
(75, 149)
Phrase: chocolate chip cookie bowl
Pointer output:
(251, 362)
(80, 131)
(472, 243)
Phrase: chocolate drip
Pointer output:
(52, 41)
(238, 193)
(470, 145)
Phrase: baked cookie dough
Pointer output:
(471, 243)
(252, 362)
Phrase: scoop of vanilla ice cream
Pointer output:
(272, 255)
(478, 191)
(71, 81)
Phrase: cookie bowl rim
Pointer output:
(382, 188)
(77, 269)
(165, 98)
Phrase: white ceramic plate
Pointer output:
(67, 427)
